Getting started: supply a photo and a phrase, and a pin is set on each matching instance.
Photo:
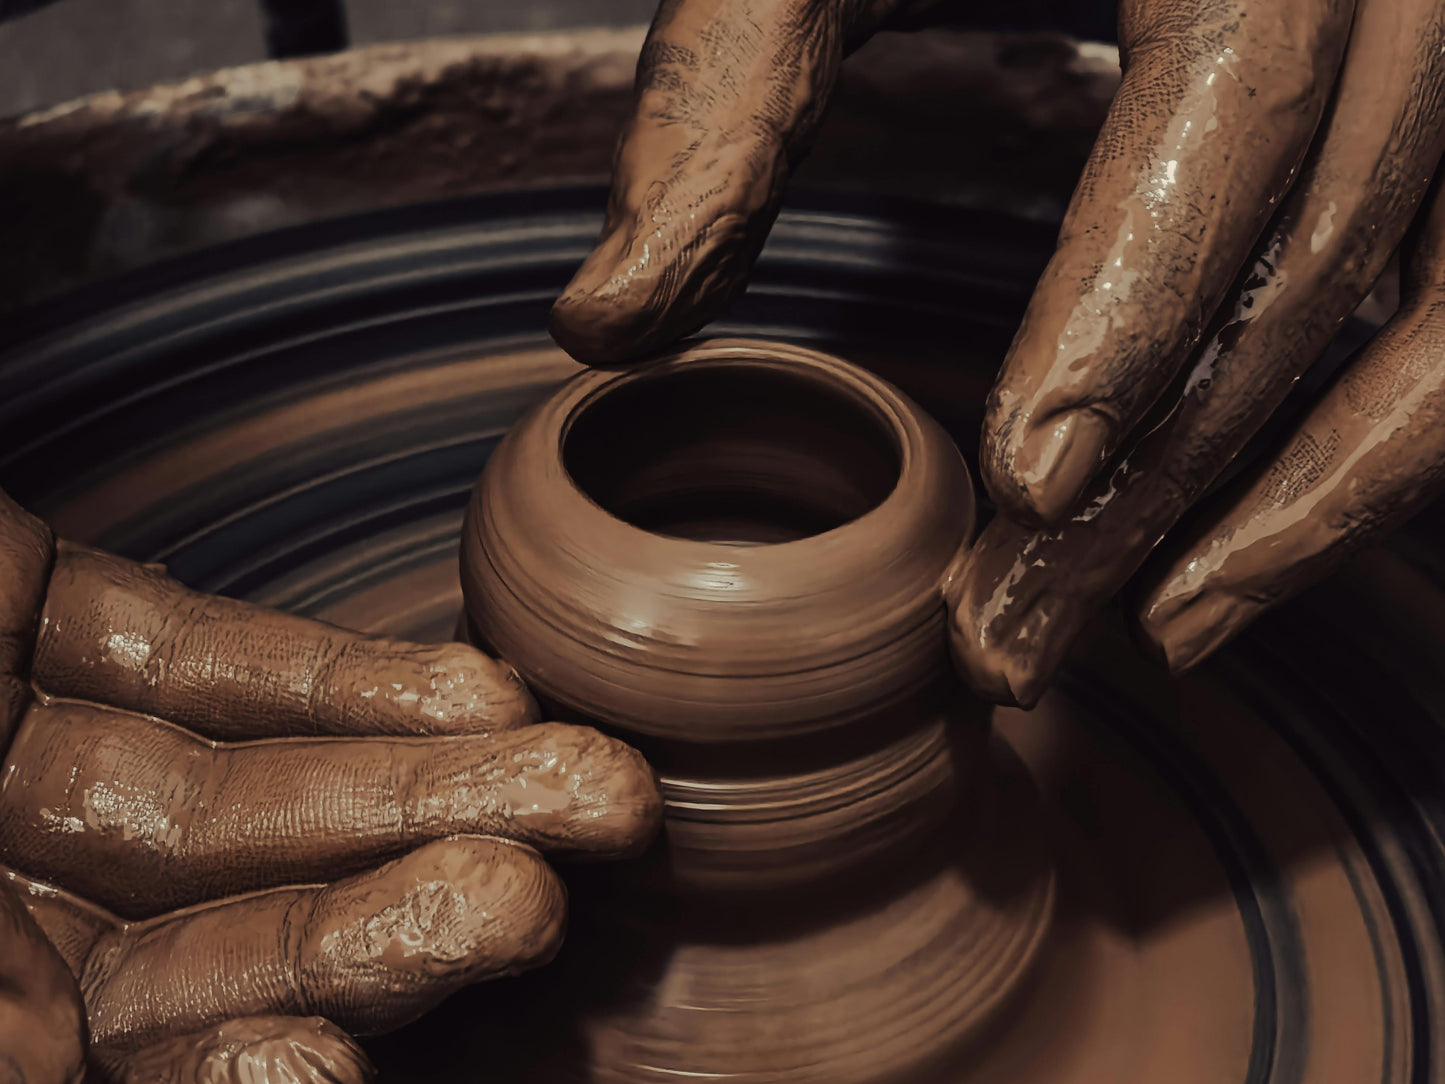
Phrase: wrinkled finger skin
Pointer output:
(1218, 103)
(729, 95)
(1365, 458)
(370, 952)
(425, 752)
(252, 1050)
(142, 818)
(42, 1021)
(1027, 592)
(128, 635)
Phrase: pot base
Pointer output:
(884, 982)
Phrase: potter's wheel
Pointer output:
(1251, 881)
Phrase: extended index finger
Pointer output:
(128, 635)
(729, 94)
(1218, 104)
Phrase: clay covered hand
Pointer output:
(226, 833)
(1262, 161)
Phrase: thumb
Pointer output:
(42, 1020)
(249, 1050)
(729, 94)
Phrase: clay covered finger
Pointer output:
(142, 817)
(728, 97)
(1023, 594)
(251, 1050)
(26, 551)
(1367, 456)
(369, 953)
(1217, 107)
(1028, 592)
(42, 1021)
(128, 635)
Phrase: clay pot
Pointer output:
(737, 558)
(743, 541)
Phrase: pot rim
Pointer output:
(896, 415)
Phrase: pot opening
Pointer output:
(735, 454)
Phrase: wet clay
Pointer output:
(159, 869)
(139, 816)
(1028, 591)
(1368, 456)
(42, 1019)
(1215, 112)
(1258, 167)
(131, 636)
(728, 99)
(751, 585)
(727, 641)
(26, 553)
(368, 952)
(251, 1050)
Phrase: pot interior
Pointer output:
(732, 452)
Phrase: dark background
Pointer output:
(55, 50)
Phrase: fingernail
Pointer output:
(599, 315)
(589, 329)
(1056, 460)
(1186, 629)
